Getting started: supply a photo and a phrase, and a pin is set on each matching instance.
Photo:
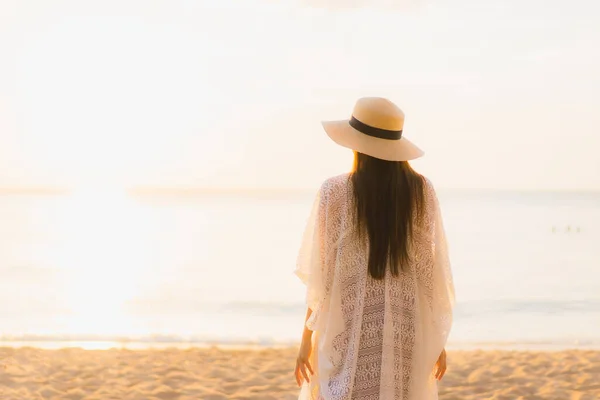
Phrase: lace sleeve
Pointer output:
(311, 258)
(435, 292)
(439, 277)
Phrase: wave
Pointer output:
(162, 341)
(148, 341)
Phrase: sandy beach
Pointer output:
(222, 374)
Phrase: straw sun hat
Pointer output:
(375, 129)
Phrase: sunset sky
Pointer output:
(229, 93)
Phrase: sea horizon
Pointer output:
(151, 190)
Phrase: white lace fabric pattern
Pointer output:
(373, 339)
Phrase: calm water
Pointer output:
(218, 268)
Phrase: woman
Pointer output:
(374, 259)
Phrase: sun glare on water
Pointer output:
(103, 257)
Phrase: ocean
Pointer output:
(172, 269)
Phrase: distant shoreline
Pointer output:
(262, 191)
(108, 343)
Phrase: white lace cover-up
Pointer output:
(373, 339)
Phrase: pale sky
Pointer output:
(499, 94)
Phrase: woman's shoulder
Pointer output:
(430, 195)
(335, 182)
(427, 184)
(334, 186)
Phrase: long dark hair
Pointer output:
(388, 195)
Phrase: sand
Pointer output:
(219, 374)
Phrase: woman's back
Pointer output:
(371, 324)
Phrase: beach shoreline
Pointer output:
(266, 344)
(217, 373)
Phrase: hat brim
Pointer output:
(391, 150)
